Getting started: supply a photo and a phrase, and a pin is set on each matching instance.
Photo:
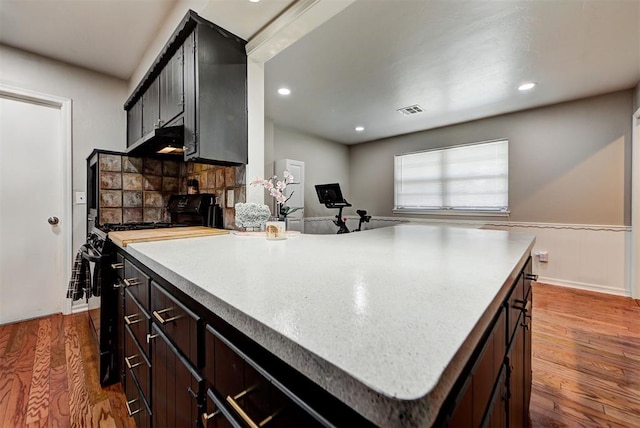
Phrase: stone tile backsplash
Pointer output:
(137, 189)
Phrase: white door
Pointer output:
(32, 179)
(295, 220)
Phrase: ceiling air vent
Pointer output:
(411, 110)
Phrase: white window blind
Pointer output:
(473, 177)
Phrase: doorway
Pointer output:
(35, 209)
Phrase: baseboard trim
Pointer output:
(82, 307)
(584, 286)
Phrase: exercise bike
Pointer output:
(331, 196)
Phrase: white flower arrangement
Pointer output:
(277, 191)
(252, 215)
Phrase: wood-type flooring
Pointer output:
(586, 359)
(586, 367)
(49, 377)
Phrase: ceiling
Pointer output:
(111, 36)
(459, 60)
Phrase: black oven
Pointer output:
(100, 293)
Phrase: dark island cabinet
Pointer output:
(495, 388)
(183, 366)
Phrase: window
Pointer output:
(462, 179)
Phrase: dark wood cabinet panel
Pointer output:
(137, 283)
(172, 88)
(249, 392)
(137, 320)
(138, 364)
(177, 387)
(134, 123)
(151, 107)
(179, 323)
(136, 406)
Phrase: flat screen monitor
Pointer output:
(329, 194)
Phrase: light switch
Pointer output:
(81, 198)
(230, 198)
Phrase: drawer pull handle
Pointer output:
(118, 285)
(207, 416)
(131, 282)
(158, 315)
(117, 266)
(192, 392)
(131, 319)
(531, 276)
(232, 401)
(150, 337)
(128, 361)
(128, 404)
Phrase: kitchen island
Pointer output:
(386, 320)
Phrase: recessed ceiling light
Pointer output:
(254, 1)
(527, 86)
(284, 91)
(359, 128)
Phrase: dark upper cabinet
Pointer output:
(200, 84)
(151, 107)
(172, 88)
(134, 122)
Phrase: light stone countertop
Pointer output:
(383, 319)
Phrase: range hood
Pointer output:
(167, 142)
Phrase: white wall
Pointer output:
(324, 161)
(98, 117)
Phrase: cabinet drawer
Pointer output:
(136, 362)
(137, 283)
(176, 321)
(136, 407)
(138, 321)
(515, 305)
(249, 392)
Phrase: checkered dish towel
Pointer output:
(80, 277)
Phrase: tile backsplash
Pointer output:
(137, 189)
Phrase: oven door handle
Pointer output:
(90, 257)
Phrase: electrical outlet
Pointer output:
(81, 198)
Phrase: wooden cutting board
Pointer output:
(122, 238)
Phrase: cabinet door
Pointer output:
(134, 123)
(151, 107)
(172, 88)
(190, 134)
(136, 407)
(176, 385)
(517, 385)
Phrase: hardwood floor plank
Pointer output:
(5, 334)
(7, 368)
(23, 344)
(102, 415)
(38, 402)
(59, 412)
(58, 349)
(79, 408)
(90, 360)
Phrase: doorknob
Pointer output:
(53, 220)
